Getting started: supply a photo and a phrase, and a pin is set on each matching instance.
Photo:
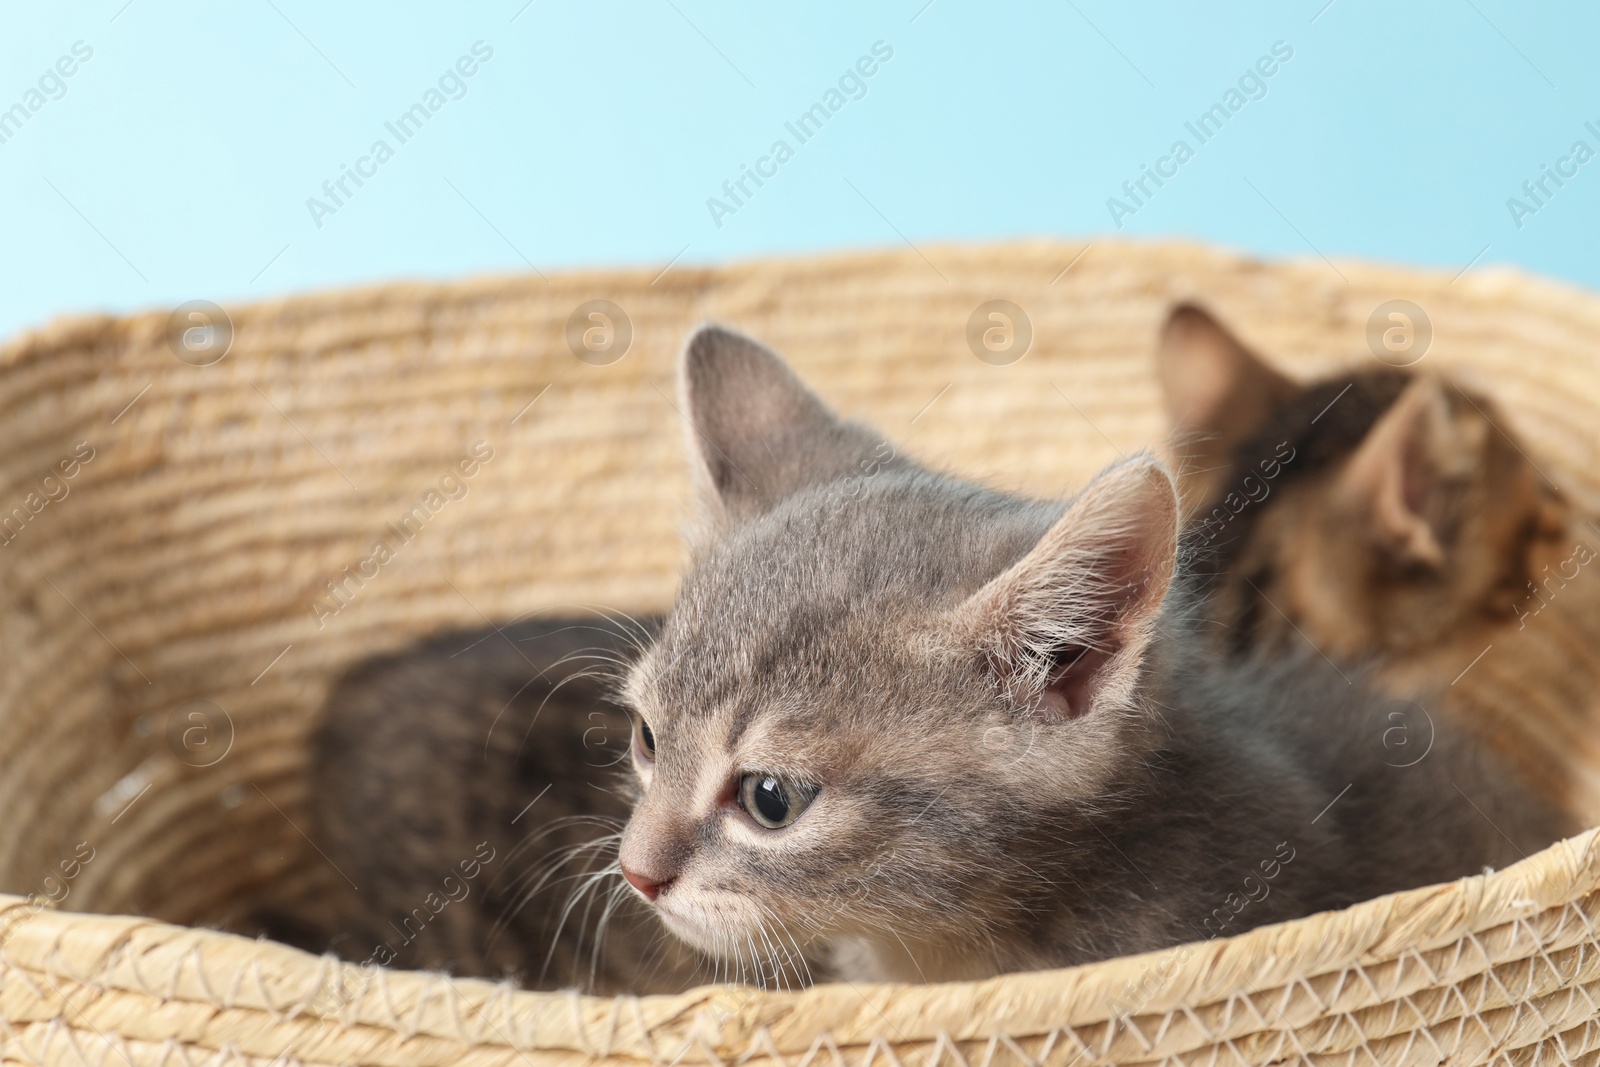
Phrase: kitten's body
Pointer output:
(1006, 749)
(499, 743)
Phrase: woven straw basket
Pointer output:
(165, 656)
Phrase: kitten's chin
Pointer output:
(717, 924)
(691, 924)
(686, 930)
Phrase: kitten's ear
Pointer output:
(1218, 393)
(1400, 480)
(1067, 625)
(758, 432)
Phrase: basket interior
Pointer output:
(181, 574)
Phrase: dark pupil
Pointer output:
(770, 800)
(648, 738)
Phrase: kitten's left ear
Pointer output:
(1218, 393)
(759, 433)
(1067, 625)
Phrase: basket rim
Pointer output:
(213, 969)
(1491, 277)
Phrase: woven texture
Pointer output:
(169, 633)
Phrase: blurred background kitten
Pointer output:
(1389, 516)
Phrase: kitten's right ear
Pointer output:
(1398, 484)
(760, 435)
(1218, 393)
(1066, 626)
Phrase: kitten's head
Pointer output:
(881, 690)
(1375, 512)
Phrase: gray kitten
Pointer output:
(938, 731)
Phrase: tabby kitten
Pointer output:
(469, 786)
(1387, 517)
(938, 731)
(1381, 512)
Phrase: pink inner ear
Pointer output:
(1070, 692)
(1416, 480)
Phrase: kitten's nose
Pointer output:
(650, 889)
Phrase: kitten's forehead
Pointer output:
(792, 614)
(902, 535)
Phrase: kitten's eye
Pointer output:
(773, 802)
(647, 740)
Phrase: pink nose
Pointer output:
(650, 889)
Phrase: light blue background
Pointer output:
(179, 161)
